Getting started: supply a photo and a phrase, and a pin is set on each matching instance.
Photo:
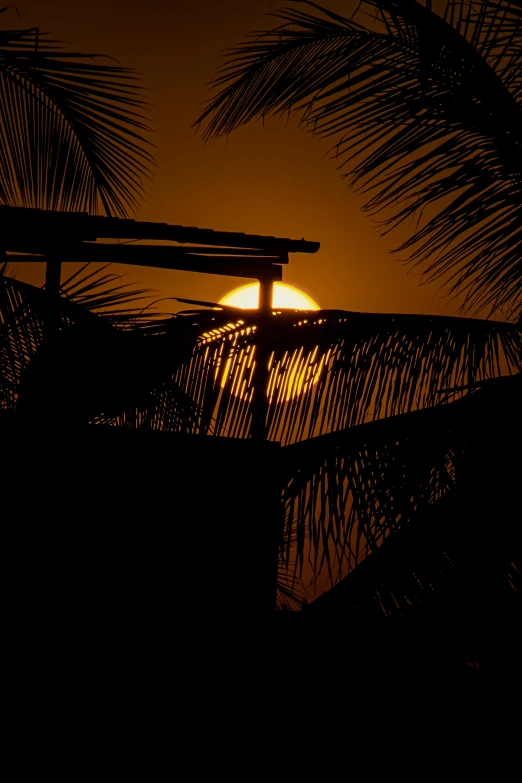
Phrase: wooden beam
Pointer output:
(16, 222)
(160, 257)
(94, 251)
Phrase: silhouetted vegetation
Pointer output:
(396, 477)
(424, 115)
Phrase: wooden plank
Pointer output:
(18, 222)
(231, 266)
(112, 253)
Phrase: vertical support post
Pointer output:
(259, 421)
(266, 293)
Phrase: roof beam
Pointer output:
(53, 226)
(160, 257)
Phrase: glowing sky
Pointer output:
(274, 180)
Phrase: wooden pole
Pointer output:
(259, 421)
(268, 504)
(266, 293)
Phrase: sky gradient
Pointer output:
(274, 180)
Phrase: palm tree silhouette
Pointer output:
(397, 460)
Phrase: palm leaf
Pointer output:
(329, 370)
(105, 361)
(20, 336)
(495, 31)
(348, 493)
(440, 578)
(71, 129)
(290, 595)
(98, 291)
(425, 115)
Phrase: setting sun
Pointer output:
(292, 372)
(285, 296)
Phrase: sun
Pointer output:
(293, 372)
(285, 296)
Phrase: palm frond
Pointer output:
(290, 595)
(424, 123)
(329, 370)
(439, 579)
(103, 361)
(348, 492)
(102, 292)
(71, 129)
(495, 31)
(20, 336)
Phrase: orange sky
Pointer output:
(274, 180)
